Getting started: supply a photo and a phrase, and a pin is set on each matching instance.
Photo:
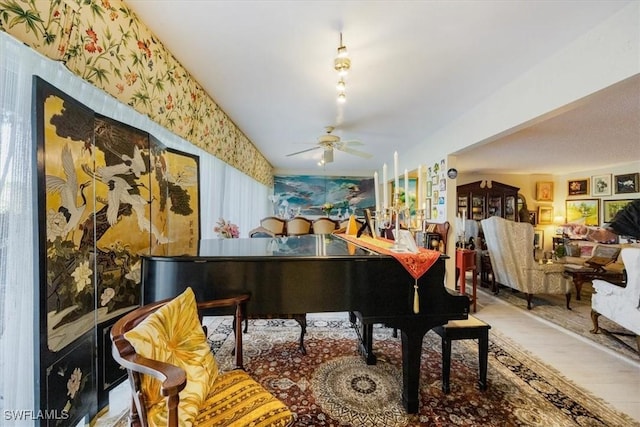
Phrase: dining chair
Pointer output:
(274, 224)
(298, 226)
(324, 225)
(261, 232)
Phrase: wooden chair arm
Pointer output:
(173, 378)
(224, 302)
(239, 301)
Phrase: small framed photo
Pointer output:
(601, 185)
(545, 215)
(627, 183)
(584, 211)
(578, 187)
(611, 207)
(544, 191)
(427, 209)
(538, 239)
(533, 217)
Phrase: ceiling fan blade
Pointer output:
(355, 152)
(352, 142)
(303, 151)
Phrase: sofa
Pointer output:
(621, 304)
(511, 250)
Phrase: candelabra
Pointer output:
(391, 218)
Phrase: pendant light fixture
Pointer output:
(342, 64)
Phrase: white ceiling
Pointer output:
(416, 67)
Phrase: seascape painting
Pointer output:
(310, 195)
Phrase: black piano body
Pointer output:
(312, 274)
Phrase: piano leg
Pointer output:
(365, 337)
(411, 355)
(366, 344)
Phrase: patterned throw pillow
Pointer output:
(173, 334)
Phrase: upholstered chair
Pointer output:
(174, 376)
(274, 224)
(620, 304)
(324, 225)
(261, 232)
(510, 246)
(298, 226)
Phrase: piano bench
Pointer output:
(471, 328)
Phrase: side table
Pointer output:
(581, 274)
(466, 261)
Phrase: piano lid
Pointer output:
(309, 245)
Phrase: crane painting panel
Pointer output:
(108, 194)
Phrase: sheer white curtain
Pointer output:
(224, 192)
(18, 232)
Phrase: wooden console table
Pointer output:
(581, 274)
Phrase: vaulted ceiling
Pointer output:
(416, 67)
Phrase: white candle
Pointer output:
(385, 188)
(396, 190)
(464, 220)
(406, 188)
(376, 190)
(419, 190)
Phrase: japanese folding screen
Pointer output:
(108, 194)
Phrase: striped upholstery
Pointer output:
(237, 400)
(173, 334)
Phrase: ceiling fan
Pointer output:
(328, 142)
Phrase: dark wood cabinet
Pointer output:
(480, 200)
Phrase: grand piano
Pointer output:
(312, 274)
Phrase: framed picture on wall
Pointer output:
(583, 211)
(601, 185)
(538, 239)
(578, 187)
(544, 191)
(611, 207)
(545, 215)
(533, 217)
(627, 183)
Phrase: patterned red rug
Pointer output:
(332, 386)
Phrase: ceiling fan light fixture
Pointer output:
(327, 156)
(342, 98)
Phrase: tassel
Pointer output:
(416, 298)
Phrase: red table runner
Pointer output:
(415, 263)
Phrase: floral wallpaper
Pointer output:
(110, 194)
(104, 43)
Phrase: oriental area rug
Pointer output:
(332, 386)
